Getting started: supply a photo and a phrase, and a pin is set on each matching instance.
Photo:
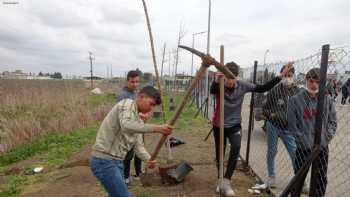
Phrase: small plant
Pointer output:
(13, 187)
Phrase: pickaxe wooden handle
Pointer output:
(217, 65)
(180, 107)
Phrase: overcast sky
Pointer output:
(56, 35)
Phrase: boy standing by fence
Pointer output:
(275, 110)
(302, 109)
(234, 96)
(345, 89)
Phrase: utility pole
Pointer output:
(91, 58)
(111, 72)
(263, 78)
(163, 56)
(169, 64)
(208, 51)
(267, 50)
(181, 35)
(193, 35)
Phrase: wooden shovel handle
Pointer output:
(179, 109)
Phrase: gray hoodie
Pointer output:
(126, 94)
(302, 116)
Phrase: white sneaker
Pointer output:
(225, 188)
(217, 190)
(127, 181)
(306, 189)
(271, 182)
(136, 178)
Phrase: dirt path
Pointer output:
(75, 178)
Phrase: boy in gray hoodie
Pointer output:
(301, 122)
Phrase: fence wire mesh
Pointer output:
(284, 120)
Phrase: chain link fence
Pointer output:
(278, 151)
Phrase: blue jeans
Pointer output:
(110, 173)
(272, 143)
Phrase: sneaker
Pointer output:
(225, 188)
(306, 189)
(136, 178)
(217, 190)
(259, 186)
(271, 182)
(127, 181)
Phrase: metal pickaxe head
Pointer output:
(194, 51)
(218, 66)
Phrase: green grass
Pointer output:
(96, 100)
(55, 149)
(13, 186)
(59, 146)
(186, 117)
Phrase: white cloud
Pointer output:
(57, 35)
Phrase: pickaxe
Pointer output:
(198, 76)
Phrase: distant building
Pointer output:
(262, 76)
(93, 78)
(19, 74)
(182, 81)
(147, 76)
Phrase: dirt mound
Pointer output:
(75, 181)
(80, 158)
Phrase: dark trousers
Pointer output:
(127, 163)
(301, 155)
(343, 99)
(233, 134)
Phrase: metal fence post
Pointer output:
(251, 113)
(296, 184)
(319, 117)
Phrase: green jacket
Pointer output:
(120, 131)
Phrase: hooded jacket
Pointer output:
(302, 116)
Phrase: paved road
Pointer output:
(339, 160)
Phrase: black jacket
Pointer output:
(275, 109)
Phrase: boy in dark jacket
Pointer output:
(130, 92)
(301, 122)
(275, 110)
(345, 92)
(233, 99)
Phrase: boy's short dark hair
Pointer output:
(233, 67)
(291, 70)
(313, 73)
(151, 92)
(132, 74)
